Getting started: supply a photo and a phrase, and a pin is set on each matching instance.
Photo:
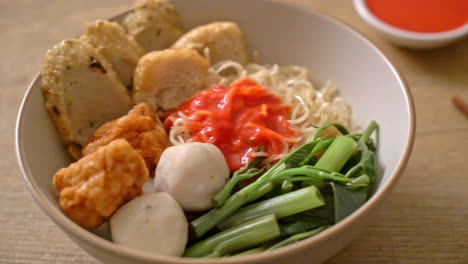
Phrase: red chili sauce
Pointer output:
(239, 120)
(421, 15)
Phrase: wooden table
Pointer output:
(425, 220)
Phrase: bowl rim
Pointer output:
(77, 232)
(368, 16)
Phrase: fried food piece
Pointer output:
(154, 24)
(80, 90)
(111, 41)
(140, 128)
(224, 40)
(92, 188)
(166, 78)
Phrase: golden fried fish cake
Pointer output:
(92, 188)
(224, 40)
(140, 128)
(166, 78)
(112, 42)
(154, 24)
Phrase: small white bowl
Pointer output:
(406, 38)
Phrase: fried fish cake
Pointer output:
(154, 24)
(92, 188)
(140, 128)
(166, 78)
(224, 40)
(80, 90)
(112, 42)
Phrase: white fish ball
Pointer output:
(153, 223)
(193, 173)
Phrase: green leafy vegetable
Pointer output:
(339, 203)
(209, 220)
(305, 193)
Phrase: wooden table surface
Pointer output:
(425, 219)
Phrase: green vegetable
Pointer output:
(286, 186)
(264, 189)
(249, 234)
(296, 157)
(251, 251)
(238, 176)
(365, 155)
(309, 173)
(339, 204)
(337, 154)
(348, 168)
(297, 226)
(321, 145)
(338, 126)
(297, 237)
(362, 150)
(282, 206)
(345, 201)
(209, 220)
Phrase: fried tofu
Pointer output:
(224, 40)
(140, 128)
(154, 24)
(92, 188)
(80, 90)
(166, 78)
(111, 41)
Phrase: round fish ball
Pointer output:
(193, 173)
(153, 223)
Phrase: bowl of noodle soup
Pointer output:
(322, 68)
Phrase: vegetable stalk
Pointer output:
(363, 151)
(264, 189)
(237, 177)
(297, 237)
(251, 251)
(209, 220)
(337, 154)
(293, 168)
(249, 234)
(282, 206)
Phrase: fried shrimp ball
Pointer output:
(140, 128)
(92, 188)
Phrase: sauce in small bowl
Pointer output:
(417, 23)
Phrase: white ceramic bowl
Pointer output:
(406, 38)
(282, 34)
